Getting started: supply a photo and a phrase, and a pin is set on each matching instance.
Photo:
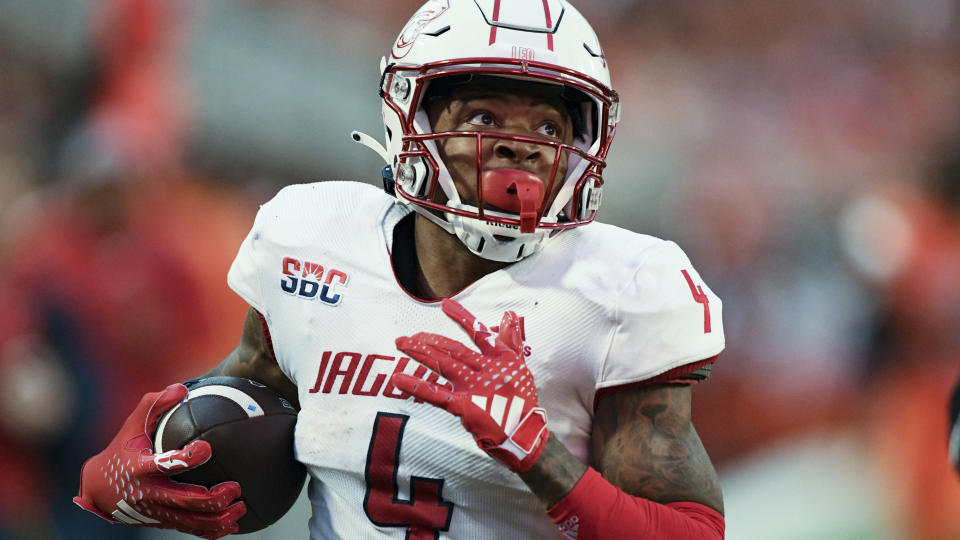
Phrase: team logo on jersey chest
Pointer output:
(311, 280)
(367, 374)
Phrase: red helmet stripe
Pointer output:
(496, 17)
(546, 12)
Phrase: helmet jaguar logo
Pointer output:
(416, 25)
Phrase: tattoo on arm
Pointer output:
(253, 359)
(241, 362)
(554, 474)
(643, 442)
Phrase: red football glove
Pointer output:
(493, 391)
(128, 483)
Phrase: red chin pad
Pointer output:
(514, 190)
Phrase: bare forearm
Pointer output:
(234, 365)
(256, 368)
(574, 494)
(254, 359)
(657, 454)
(554, 474)
(644, 444)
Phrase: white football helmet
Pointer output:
(540, 41)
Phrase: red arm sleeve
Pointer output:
(596, 508)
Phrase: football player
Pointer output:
(470, 355)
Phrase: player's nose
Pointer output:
(518, 152)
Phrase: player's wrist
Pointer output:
(524, 445)
(554, 473)
(84, 501)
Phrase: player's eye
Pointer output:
(483, 118)
(550, 129)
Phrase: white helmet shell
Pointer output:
(542, 41)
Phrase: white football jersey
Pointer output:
(602, 307)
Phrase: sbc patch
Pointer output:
(310, 280)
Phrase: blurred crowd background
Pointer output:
(806, 155)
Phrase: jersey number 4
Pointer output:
(425, 513)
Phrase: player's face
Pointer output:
(483, 107)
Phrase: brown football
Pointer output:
(250, 431)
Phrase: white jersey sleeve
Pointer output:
(244, 274)
(299, 216)
(665, 318)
